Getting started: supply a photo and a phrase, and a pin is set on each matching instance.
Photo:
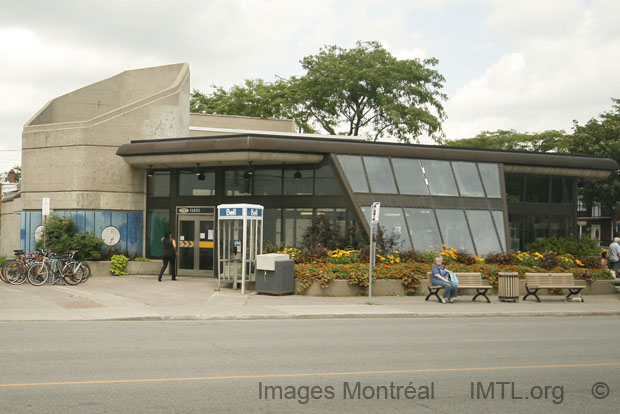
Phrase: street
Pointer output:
(463, 365)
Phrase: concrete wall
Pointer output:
(69, 146)
(237, 123)
(11, 219)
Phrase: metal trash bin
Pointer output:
(275, 274)
(508, 286)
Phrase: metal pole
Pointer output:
(371, 261)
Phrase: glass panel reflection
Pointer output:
(354, 171)
(467, 178)
(235, 183)
(490, 179)
(483, 232)
(440, 178)
(298, 181)
(498, 218)
(454, 229)
(393, 221)
(537, 189)
(268, 182)
(325, 181)
(156, 226)
(380, 175)
(423, 228)
(159, 184)
(190, 185)
(409, 176)
(296, 222)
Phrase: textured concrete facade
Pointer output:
(69, 146)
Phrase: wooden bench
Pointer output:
(536, 281)
(466, 281)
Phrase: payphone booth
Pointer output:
(240, 239)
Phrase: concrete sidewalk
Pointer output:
(193, 298)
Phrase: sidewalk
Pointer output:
(192, 298)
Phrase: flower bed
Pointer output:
(411, 268)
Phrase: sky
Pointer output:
(528, 65)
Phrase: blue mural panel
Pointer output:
(129, 224)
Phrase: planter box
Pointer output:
(102, 268)
(395, 288)
(343, 288)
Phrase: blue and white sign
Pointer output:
(240, 211)
(231, 212)
(254, 212)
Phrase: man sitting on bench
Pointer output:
(441, 277)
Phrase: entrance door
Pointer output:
(195, 242)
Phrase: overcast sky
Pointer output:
(529, 65)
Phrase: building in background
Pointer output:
(127, 161)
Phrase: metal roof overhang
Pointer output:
(265, 148)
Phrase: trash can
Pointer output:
(275, 274)
(508, 286)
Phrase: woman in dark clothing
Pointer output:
(170, 251)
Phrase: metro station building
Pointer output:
(127, 161)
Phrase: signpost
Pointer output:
(374, 221)
(45, 211)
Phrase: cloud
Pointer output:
(555, 76)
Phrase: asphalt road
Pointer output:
(477, 365)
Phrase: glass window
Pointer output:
(423, 228)
(409, 176)
(483, 232)
(296, 223)
(380, 175)
(596, 210)
(467, 178)
(440, 177)
(562, 190)
(490, 179)
(538, 228)
(498, 218)
(159, 184)
(236, 182)
(268, 182)
(272, 226)
(514, 188)
(190, 185)
(393, 221)
(517, 232)
(536, 189)
(302, 185)
(337, 216)
(454, 229)
(157, 223)
(326, 182)
(354, 171)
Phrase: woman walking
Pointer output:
(169, 256)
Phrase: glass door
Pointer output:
(196, 243)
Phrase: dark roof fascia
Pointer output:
(265, 142)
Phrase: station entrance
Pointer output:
(195, 240)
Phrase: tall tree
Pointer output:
(370, 91)
(360, 91)
(600, 137)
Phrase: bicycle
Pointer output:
(62, 268)
(15, 271)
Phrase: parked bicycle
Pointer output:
(62, 268)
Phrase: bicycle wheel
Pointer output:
(38, 273)
(3, 268)
(73, 273)
(86, 268)
(15, 273)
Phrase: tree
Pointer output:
(600, 137)
(511, 140)
(18, 174)
(366, 90)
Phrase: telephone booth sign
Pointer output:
(240, 240)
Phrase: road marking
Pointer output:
(309, 374)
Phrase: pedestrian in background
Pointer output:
(169, 256)
(614, 257)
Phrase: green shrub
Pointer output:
(62, 237)
(119, 262)
(142, 259)
(582, 247)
